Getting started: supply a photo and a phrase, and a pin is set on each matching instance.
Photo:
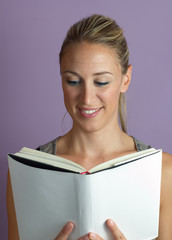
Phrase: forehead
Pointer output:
(89, 57)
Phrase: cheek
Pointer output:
(69, 95)
(111, 96)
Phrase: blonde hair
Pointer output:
(102, 30)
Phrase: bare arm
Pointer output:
(165, 228)
(12, 222)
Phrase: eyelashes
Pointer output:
(101, 83)
(78, 82)
(73, 83)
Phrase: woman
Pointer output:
(95, 75)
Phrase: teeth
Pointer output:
(89, 111)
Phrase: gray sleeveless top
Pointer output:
(50, 147)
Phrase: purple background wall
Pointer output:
(31, 100)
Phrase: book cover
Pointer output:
(128, 191)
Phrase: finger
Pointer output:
(117, 234)
(90, 236)
(84, 238)
(94, 236)
(67, 229)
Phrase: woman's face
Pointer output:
(92, 82)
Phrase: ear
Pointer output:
(126, 79)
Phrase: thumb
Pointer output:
(67, 229)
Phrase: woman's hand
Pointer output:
(67, 229)
(64, 234)
(116, 233)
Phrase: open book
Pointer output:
(49, 191)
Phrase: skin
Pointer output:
(84, 68)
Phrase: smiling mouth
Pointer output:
(89, 113)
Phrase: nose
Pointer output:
(87, 94)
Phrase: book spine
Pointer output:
(84, 203)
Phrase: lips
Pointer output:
(89, 112)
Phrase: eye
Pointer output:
(100, 84)
(73, 83)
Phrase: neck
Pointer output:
(95, 144)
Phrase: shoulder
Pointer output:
(49, 147)
(167, 169)
(167, 164)
(140, 146)
(166, 183)
(167, 156)
(165, 227)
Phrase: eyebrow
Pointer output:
(101, 73)
(95, 74)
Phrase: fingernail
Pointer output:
(110, 222)
(68, 226)
(92, 236)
